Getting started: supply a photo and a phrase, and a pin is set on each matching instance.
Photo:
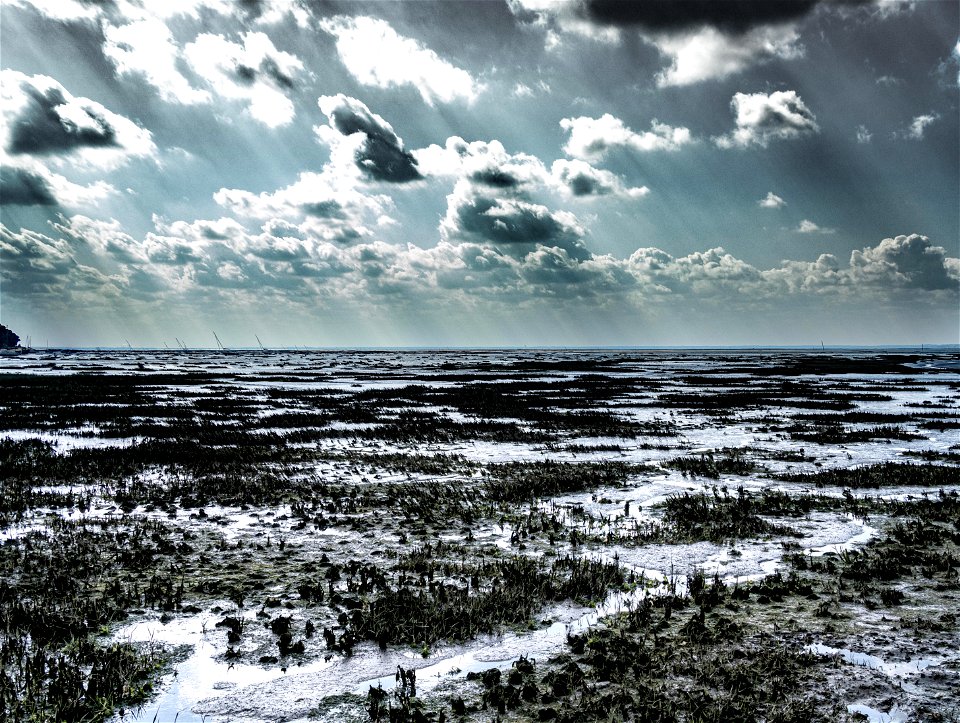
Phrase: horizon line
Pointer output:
(507, 347)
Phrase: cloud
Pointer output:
(732, 16)
(711, 54)
(888, 80)
(701, 39)
(863, 134)
(807, 226)
(252, 70)
(918, 126)
(591, 138)
(761, 118)
(138, 40)
(146, 48)
(560, 16)
(42, 119)
(19, 187)
(49, 124)
(375, 54)
(771, 200)
(35, 185)
(212, 263)
(377, 151)
(321, 203)
(94, 10)
(710, 273)
(955, 57)
(510, 223)
(907, 261)
(498, 197)
(580, 179)
(335, 205)
(38, 266)
(486, 164)
(44, 127)
(64, 10)
(491, 202)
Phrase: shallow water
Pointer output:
(208, 687)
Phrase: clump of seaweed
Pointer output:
(732, 461)
(885, 474)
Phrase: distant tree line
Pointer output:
(8, 340)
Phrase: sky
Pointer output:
(494, 173)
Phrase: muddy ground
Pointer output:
(536, 535)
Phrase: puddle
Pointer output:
(894, 670)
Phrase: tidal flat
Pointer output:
(480, 535)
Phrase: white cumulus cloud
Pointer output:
(918, 126)
(252, 70)
(808, 226)
(375, 54)
(761, 118)
(709, 54)
(42, 118)
(146, 48)
(591, 138)
(771, 200)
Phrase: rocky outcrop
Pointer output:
(8, 340)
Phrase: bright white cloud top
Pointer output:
(375, 54)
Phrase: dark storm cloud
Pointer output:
(495, 178)
(19, 187)
(582, 185)
(732, 16)
(514, 225)
(44, 127)
(272, 70)
(245, 75)
(323, 209)
(381, 156)
(508, 221)
(253, 9)
(211, 233)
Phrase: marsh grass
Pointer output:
(59, 590)
(886, 474)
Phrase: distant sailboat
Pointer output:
(262, 347)
(219, 343)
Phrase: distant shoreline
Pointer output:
(901, 348)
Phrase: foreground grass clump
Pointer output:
(714, 517)
(81, 681)
(717, 517)
(495, 593)
(671, 658)
(58, 589)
